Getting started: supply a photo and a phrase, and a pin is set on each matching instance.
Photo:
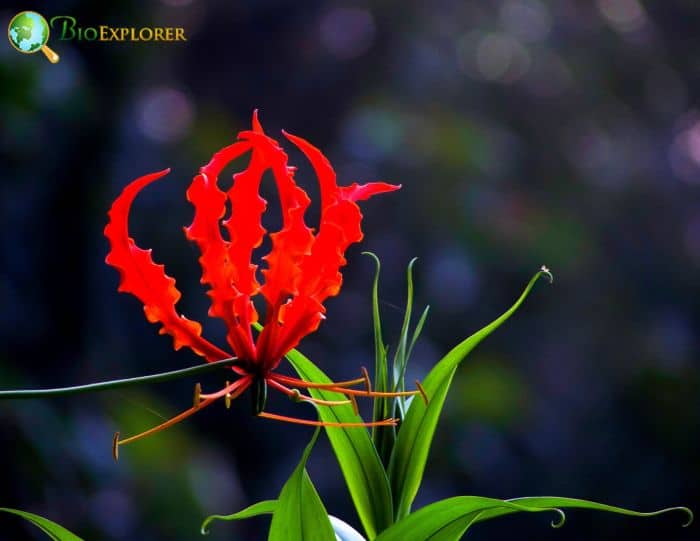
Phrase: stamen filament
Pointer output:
(311, 385)
(374, 394)
(355, 408)
(170, 422)
(235, 389)
(275, 417)
(342, 387)
(297, 396)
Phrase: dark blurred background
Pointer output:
(524, 132)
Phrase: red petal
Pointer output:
(257, 127)
(361, 192)
(230, 262)
(300, 316)
(209, 202)
(293, 241)
(319, 275)
(339, 227)
(289, 245)
(147, 281)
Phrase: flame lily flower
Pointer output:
(302, 268)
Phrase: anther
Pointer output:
(295, 396)
(227, 398)
(422, 392)
(115, 447)
(368, 383)
(353, 401)
(197, 394)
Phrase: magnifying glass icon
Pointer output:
(28, 32)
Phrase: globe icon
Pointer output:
(28, 32)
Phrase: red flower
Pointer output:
(301, 271)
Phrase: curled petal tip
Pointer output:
(257, 127)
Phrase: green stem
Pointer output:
(117, 383)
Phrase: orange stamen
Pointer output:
(115, 446)
(355, 408)
(423, 394)
(170, 422)
(374, 394)
(368, 382)
(235, 389)
(275, 417)
(197, 395)
(295, 395)
(311, 385)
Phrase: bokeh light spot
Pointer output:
(165, 115)
(623, 15)
(347, 33)
(528, 20)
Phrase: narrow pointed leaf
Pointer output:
(416, 433)
(50, 528)
(555, 501)
(266, 507)
(448, 519)
(343, 531)
(401, 355)
(300, 515)
(402, 349)
(382, 436)
(358, 459)
(418, 330)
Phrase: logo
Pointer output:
(28, 32)
(69, 30)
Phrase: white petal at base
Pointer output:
(343, 531)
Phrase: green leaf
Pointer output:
(416, 432)
(356, 454)
(447, 520)
(343, 531)
(266, 507)
(554, 501)
(401, 357)
(417, 331)
(299, 514)
(383, 408)
(53, 530)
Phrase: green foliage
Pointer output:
(415, 437)
(382, 436)
(393, 380)
(356, 454)
(50, 528)
(449, 520)
(266, 507)
(543, 502)
(300, 515)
